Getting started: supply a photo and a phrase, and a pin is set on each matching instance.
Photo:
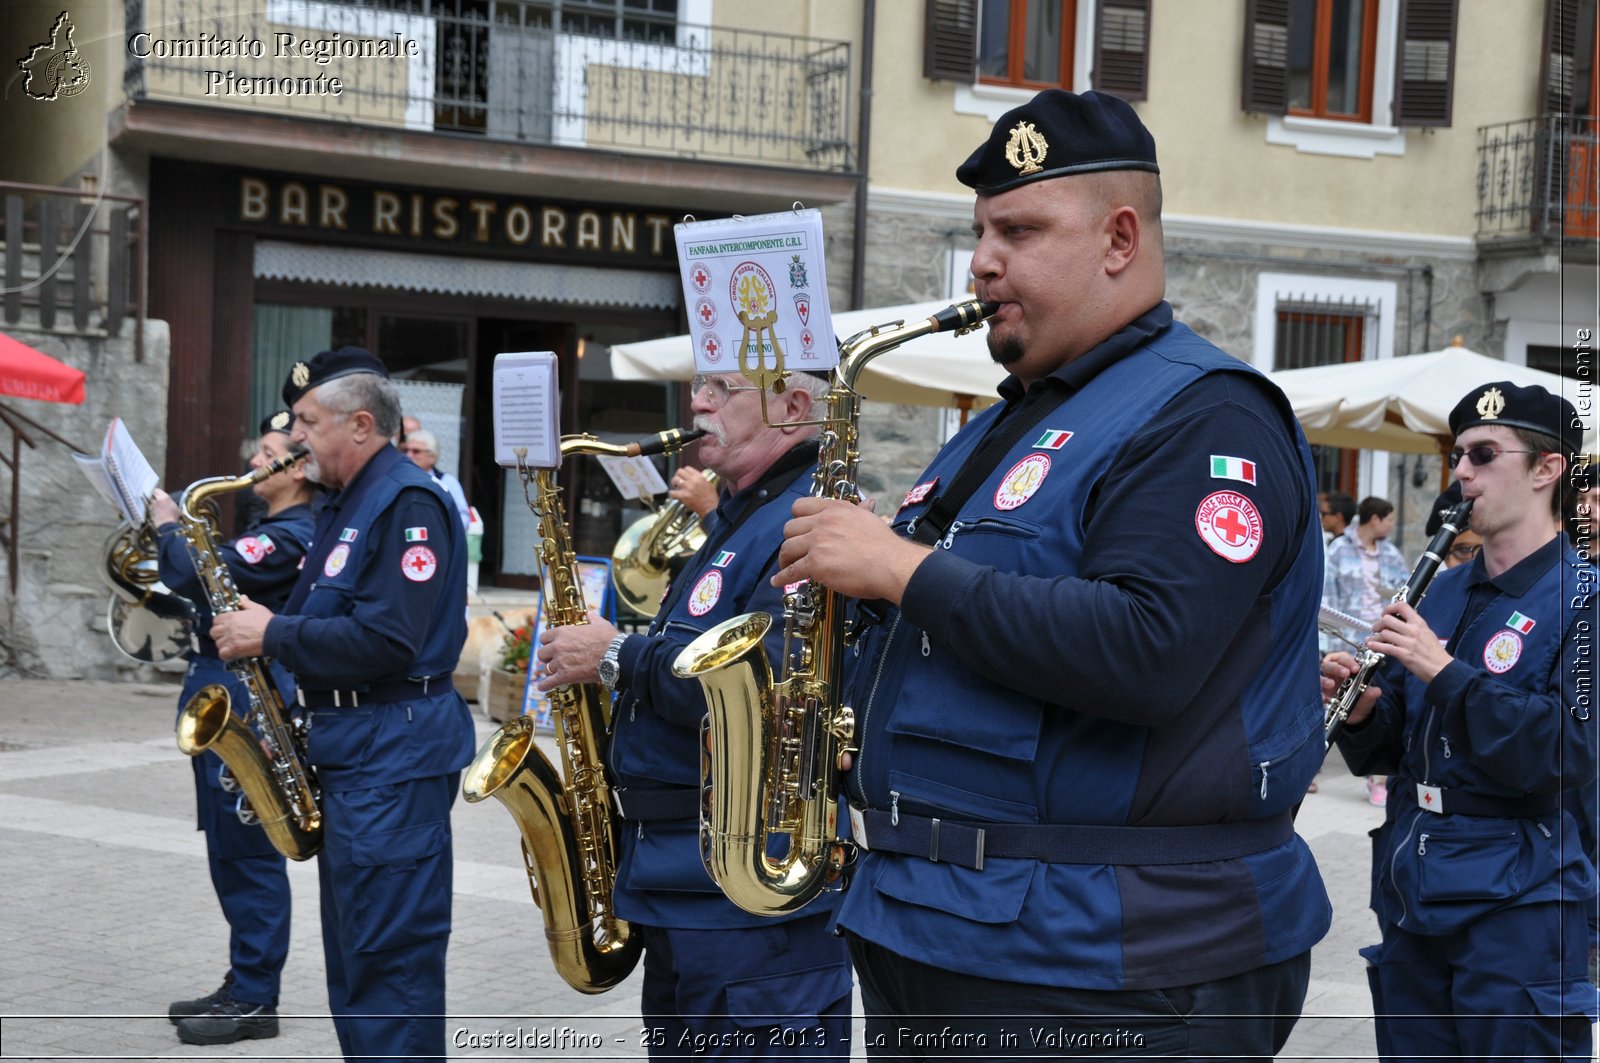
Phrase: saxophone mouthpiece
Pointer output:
(668, 442)
(964, 316)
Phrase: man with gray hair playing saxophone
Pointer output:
(719, 981)
(372, 633)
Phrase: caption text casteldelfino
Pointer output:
(283, 45)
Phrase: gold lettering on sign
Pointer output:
(416, 214)
(552, 227)
(622, 232)
(385, 212)
(444, 215)
(292, 208)
(659, 224)
(333, 204)
(482, 209)
(588, 231)
(253, 199)
(519, 224)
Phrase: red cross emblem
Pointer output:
(712, 347)
(700, 277)
(418, 564)
(1230, 524)
(706, 312)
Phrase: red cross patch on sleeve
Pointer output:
(418, 564)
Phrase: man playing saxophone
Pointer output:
(246, 870)
(1091, 701)
(372, 632)
(1483, 712)
(717, 978)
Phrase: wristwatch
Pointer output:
(610, 667)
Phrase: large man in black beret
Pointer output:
(1483, 718)
(372, 632)
(1067, 850)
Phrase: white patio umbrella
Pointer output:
(942, 369)
(1403, 404)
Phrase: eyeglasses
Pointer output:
(1482, 454)
(1467, 552)
(719, 389)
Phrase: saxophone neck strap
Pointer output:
(1034, 407)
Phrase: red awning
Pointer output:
(29, 374)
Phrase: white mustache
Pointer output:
(713, 428)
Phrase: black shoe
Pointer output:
(183, 1009)
(227, 1022)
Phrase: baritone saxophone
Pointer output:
(567, 818)
(773, 749)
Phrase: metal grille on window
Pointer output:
(1320, 331)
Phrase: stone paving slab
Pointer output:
(107, 913)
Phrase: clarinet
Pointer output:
(1344, 698)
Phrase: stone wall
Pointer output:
(54, 626)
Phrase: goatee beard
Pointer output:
(1005, 350)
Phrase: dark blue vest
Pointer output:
(942, 740)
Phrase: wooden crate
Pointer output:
(505, 695)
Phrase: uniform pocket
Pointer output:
(1562, 1013)
(792, 1001)
(994, 895)
(340, 739)
(400, 885)
(1469, 867)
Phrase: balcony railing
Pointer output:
(1540, 177)
(500, 69)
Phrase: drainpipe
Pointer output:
(858, 253)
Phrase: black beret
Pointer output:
(1448, 498)
(279, 421)
(1055, 134)
(326, 366)
(1532, 407)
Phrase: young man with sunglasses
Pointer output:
(1483, 716)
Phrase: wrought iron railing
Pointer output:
(506, 70)
(1540, 177)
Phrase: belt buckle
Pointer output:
(1430, 799)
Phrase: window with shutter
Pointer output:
(1266, 56)
(950, 42)
(1026, 43)
(1425, 70)
(1122, 48)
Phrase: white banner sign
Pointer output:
(757, 286)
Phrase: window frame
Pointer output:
(1066, 71)
(1321, 49)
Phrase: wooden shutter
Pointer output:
(1425, 67)
(1559, 56)
(1265, 88)
(1122, 49)
(950, 41)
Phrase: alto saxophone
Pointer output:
(773, 750)
(1345, 697)
(568, 826)
(268, 763)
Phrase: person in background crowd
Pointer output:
(422, 447)
(1467, 542)
(372, 632)
(1482, 716)
(1052, 831)
(1363, 571)
(711, 970)
(246, 870)
(1338, 510)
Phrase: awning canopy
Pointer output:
(29, 374)
(1402, 404)
(938, 370)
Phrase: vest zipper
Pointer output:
(866, 712)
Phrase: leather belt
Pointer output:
(378, 694)
(967, 844)
(657, 803)
(1441, 801)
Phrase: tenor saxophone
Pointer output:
(772, 763)
(640, 562)
(566, 818)
(1344, 698)
(267, 763)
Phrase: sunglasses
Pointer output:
(1481, 454)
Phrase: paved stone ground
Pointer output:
(107, 912)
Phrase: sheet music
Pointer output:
(527, 409)
(120, 472)
(635, 478)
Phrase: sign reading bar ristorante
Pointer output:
(343, 211)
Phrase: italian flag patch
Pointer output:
(1226, 468)
(723, 559)
(1521, 623)
(1053, 439)
(416, 535)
